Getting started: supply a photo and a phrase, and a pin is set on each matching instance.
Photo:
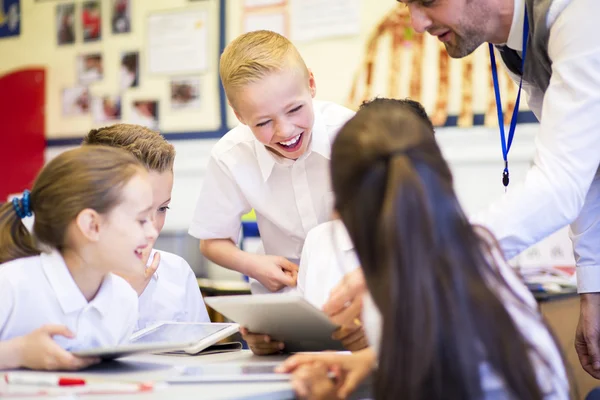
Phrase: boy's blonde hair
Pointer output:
(254, 55)
(148, 146)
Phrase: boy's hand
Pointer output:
(274, 272)
(140, 281)
(38, 350)
(348, 371)
(260, 344)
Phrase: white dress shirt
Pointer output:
(563, 185)
(289, 197)
(40, 290)
(172, 294)
(327, 256)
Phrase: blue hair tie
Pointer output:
(22, 206)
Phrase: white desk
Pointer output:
(144, 368)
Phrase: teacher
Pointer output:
(549, 47)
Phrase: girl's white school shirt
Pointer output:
(327, 256)
(172, 294)
(289, 197)
(40, 290)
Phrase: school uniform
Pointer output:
(40, 290)
(172, 294)
(289, 197)
(327, 256)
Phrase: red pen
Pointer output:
(19, 378)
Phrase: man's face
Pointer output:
(461, 25)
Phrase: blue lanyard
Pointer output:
(513, 122)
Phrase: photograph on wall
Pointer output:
(106, 109)
(75, 101)
(185, 93)
(145, 113)
(89, 68)
(91, 21)
(130, 70)
(10, 18)
(65, 23)
(121, 16)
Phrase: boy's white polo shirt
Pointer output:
(327, 256)
(40, 290)
(172, 294)
(289, 197)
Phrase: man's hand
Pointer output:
(345, 301)
(273, 272)
(352, 336)
(587, 336)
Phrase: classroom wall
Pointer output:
(455, 92)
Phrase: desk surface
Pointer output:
(144, 368)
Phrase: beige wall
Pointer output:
(336, 62)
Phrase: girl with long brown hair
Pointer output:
(92, 208)
(446, 316)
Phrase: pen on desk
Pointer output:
(42, 379)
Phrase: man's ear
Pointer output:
(88, 224)
(312, 84)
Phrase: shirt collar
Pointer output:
(319, 143)
(515, 36)
(66, 290)
(149, 262)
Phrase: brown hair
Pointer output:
(150, 147)
(254, 55)
(429, 272)
(86, 177)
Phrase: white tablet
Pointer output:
(229, 372)
(167, 336)
(285, 317)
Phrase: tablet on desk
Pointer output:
(190, 338)
(285, 317)
(229, 372)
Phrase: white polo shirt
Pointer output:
(327, 256)
(289, 197)
(172, 294)
(39, 290)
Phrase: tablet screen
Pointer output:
(178, 333)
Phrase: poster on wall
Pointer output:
(89, 68)
(319, 19)
(263, 3)
(178, 42)
(10, 18)
(121, 16)
(65, 23)
(275, 21)
(145, 113)
(106, 109)
(130, 70)
(185, 93)
(75, 101)
(91, 21)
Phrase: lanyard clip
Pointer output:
(505, 175)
